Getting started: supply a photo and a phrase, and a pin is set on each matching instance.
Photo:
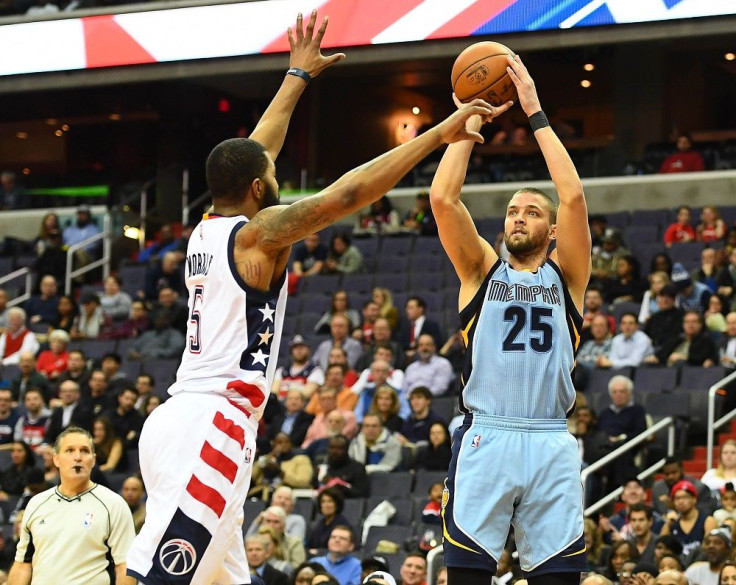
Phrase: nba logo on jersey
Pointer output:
(476, 441)
(248, 455)
(87, 520)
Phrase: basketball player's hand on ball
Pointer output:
(475, 122)
(305, 47)
(524, 85)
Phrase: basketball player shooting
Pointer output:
(197, 449)
(513, 461)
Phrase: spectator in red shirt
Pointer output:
(685, 160)
(681, 231)
(54, 361)
(711, 227)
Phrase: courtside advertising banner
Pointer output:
(227, 30)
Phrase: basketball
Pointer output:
(480, 72)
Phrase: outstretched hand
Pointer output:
(475, 122)
(524, 85)
(305, 48)
(461, 125)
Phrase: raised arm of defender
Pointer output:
(305, 55)
(572, 253)
(273, 229)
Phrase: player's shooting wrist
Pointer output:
(538, 120)
(300, 73)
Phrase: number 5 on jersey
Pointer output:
(195, 341)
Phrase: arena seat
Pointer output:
(404, 509)
(394, 533)
(391, 485)
(697, 378)
(426, 478)
(655, 379)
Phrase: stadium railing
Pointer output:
(106, 236)
(28, 284)
(714, 425)
(667, 423)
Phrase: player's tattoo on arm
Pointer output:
(293, 223)
(250, 271)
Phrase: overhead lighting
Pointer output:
(58, 133)
(415, 110)
(115, 117)
(730, 56)
(132, 232)
(26, 171)
(21, 135)
(585, 83)
(589, 66)
(52, 121)
(65, 127)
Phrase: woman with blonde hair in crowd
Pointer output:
(54, 360)
(386, 405)
(274, 551)
(382, 297)
(711, 227)
(657, 281)
(596, 551)
(716, 478)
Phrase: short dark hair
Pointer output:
(232, 166)
(551, 203)
(79, 351)
(673, 459)
(627, 314)
(419, 300)
(151, 381)
(641, 507)
(346, 529)
(112, 356)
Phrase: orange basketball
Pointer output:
(480, 72)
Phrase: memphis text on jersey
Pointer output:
(199, 263)
(501, 291)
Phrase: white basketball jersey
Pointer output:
(234, 331)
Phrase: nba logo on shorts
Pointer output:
(177, 556)
(248, 454)
(475, 442)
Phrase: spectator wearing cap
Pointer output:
(693, 346)
(91, 321)
(379, 578)
(688, 524)
(17, 339)
(717, 548)
(605, 258)
(301, 373)
(665, 323)
(81, 230)
(338, 561)
(693, 295)
(416, 426)
(622, 421)
(429, 369)
(672, 473)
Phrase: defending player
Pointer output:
(514, 463)
(197, 449)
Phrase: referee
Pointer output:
(70, 532)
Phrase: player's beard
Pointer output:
(270, 196)
(526, 245)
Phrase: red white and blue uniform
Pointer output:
(196, 450)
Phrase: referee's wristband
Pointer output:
(295, 71)
(538, 120)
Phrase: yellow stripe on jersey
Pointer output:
(585, 548)
(466, 330)
(451, 540)
(576, 333)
